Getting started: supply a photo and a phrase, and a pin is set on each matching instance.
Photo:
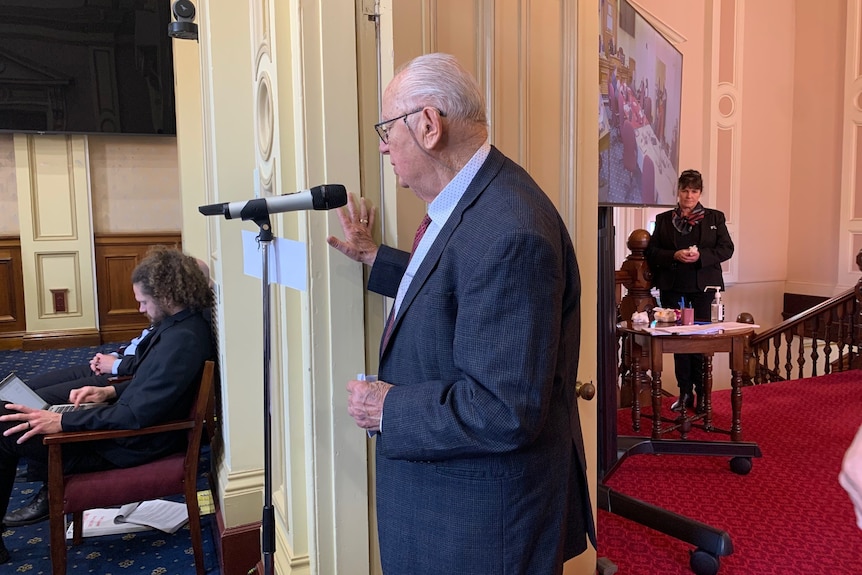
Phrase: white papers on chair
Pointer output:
(700, 329)
(167, 516)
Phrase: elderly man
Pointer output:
(172, 290)
(480, 459)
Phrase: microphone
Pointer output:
(324, 197)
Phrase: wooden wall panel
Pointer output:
(12, 320)
(116, 258)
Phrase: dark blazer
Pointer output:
(714, 245)
(480, 461)
(170, 363)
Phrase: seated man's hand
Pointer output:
(31, 421)
(92, 394)
(357, 223)
(103, 363)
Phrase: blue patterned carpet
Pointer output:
(145, 552)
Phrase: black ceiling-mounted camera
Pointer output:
(183, 27)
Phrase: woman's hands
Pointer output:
(686, 256)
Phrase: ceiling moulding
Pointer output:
(659, 25)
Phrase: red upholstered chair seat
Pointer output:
(159, 478)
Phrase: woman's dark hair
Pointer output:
(171, 277)
(690, 179)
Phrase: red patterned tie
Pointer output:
(420, 231)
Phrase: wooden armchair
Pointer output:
(170, 475)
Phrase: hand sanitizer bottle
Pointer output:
(716, 308)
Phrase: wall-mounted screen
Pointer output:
(640, 85)
(86, 66)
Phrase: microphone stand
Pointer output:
(321, 198)
(259, 213)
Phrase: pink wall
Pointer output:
(815, 170)
(767, 137)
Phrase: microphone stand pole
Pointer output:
(261, 218)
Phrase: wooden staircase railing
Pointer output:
(818, 341)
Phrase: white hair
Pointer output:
(439, 81)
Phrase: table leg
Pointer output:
(636, 374)
(736, 405)
(656, 404)
(707, 391)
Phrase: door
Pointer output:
(538, 83)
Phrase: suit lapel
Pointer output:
(486, 174)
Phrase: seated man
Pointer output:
(172, 290)
(55, 387)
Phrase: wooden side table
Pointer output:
(645, 351)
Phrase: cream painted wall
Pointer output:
(134, 184)
(9, 225)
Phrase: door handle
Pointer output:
(585, 390)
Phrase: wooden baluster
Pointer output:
(827, 348)
(815, 329)
(842, 330)
(764, 366)
(777, 342)
(788, 366)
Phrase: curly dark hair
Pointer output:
(690, 179)
(171, 277)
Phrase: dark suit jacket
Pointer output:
(480, 462)
(715, 246)
(170, 363)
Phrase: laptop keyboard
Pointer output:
(64, 408)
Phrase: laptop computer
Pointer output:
(13, 390)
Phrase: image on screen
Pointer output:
(640, 88)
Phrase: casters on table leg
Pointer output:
(604, 566)
(704, 563)
(740, 465)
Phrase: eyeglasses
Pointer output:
(383, 127)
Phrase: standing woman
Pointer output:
(685, 254)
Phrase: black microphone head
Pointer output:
(212, 209)
(328, 196)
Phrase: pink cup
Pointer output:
(688, 316)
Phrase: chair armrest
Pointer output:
(79, 436)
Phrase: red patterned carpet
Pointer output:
(789, 516)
